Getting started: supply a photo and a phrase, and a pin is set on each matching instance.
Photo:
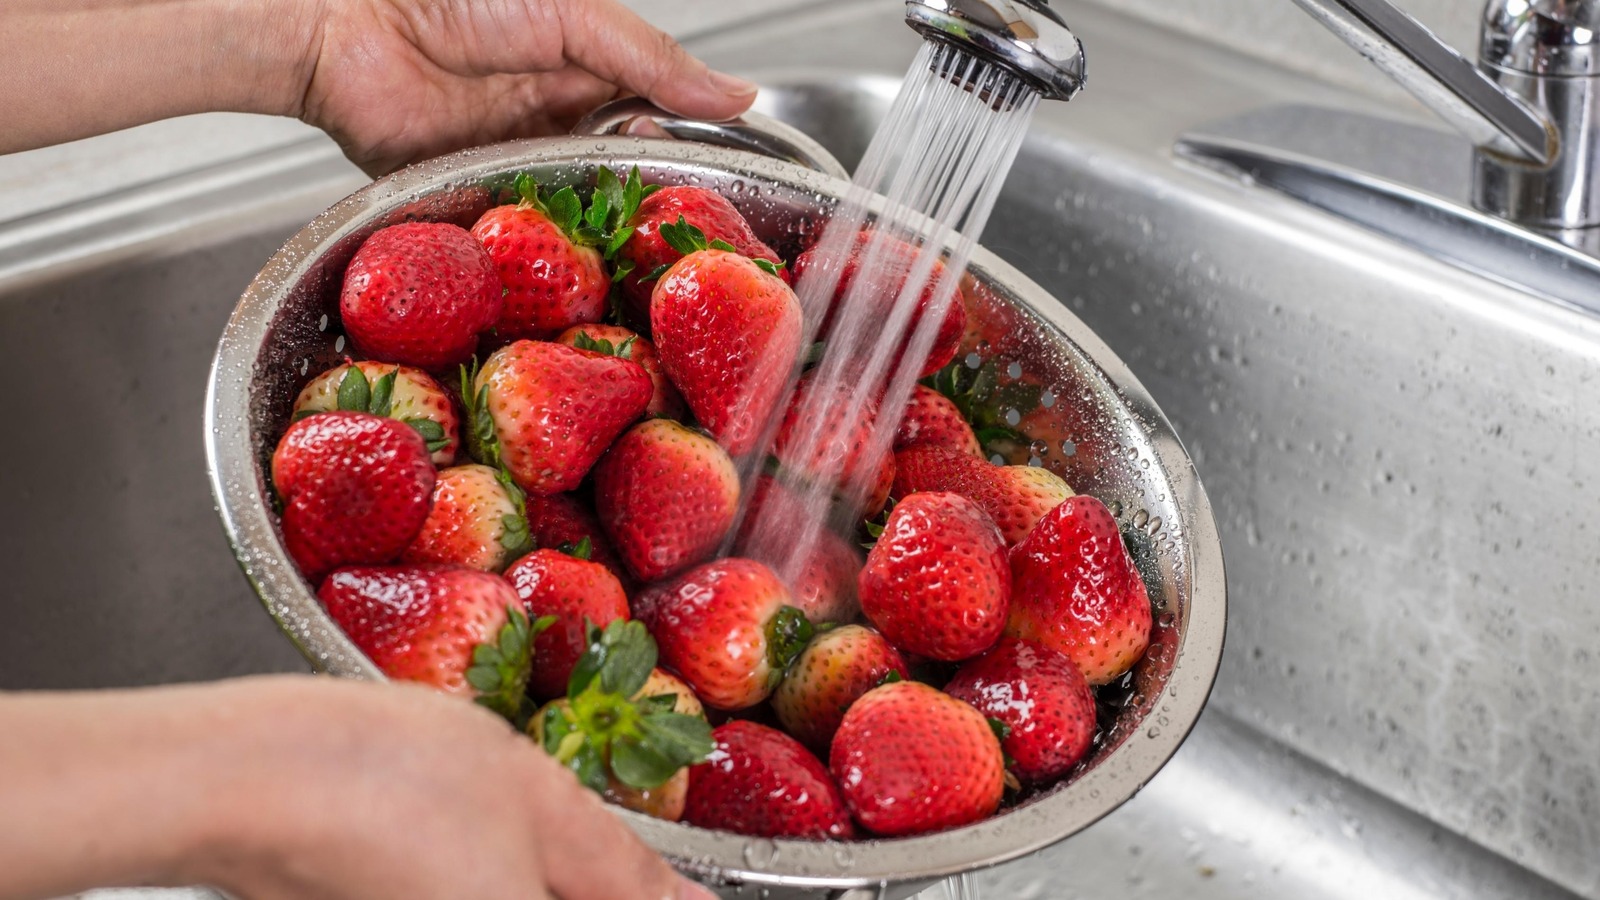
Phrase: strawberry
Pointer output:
(911, 760)
(728, 331)
(1076, 590)
(476, 521)
(418, 294)
(546, 412)
(648, 255)
(614, 340)
(355, 489)
(725, 627)
(575, 593)
(892, 261)
(457, 629)
(550, 253)
(667, 801)
(562, 522)
(821, 442)
(835, 669)
(937, 582)
(931, 418)
(621, 743)
(1015, 497)
(825, 586)
(666, 494)
(761, 782)
(399, 392)
(1040, 698)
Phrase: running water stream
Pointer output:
(938, 162)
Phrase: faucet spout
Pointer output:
(1441, 78)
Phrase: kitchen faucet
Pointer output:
(1531, 106)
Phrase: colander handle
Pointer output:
(752, 131)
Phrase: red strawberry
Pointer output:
(355, 489)
(820, 442)
(460, 630)
(548, 253)
(931, 418)
(937, 582)
(835, 669)
(666, 495)
(475, 522)
(910, 760)
(725, 627)
(1041, 698)
(562, 521)
(649, 254)
(549, 411)
(825, 587)
(418, 294)
(761, 782)
(892, 261)
(614, 340)
(728, 333)
(575, 591)
(1015, 497)
(399, 392)
(1075, 589)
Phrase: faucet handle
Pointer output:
(1542, 37)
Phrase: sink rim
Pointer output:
(236, 476)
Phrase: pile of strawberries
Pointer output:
(540, 532)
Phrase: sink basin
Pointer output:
(1400, 454)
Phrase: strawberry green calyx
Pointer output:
(499, 672)
(686, 239)
(601, 731)
(603, 223)
(983, 401)
(891, 676)
(483, 445)
(580, 550)
(357, 394)
(788, 633)
(603, 346)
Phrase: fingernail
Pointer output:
(688, 890)
(732, 85)
(643, 126)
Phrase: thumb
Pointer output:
(608, 40)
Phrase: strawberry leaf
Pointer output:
(788, 632)
(599, 211)
(657, 272)
(382, 401)
(660, 702)
(649, 189)
(566, 210)
(618, 238)
(633, 193)
(527, 190)
(889, 677)
(590, 768)
(768, 266)
(632, 657)
(432, 433)
(584, 342)
(355, 394)
(580, 550)
(607, 185)
(1001, 729)
(499, 672)
(625, 349)
(720, 244)
(515, 537)
(683, 237)
(638, 763)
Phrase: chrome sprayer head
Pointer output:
(1025, 36)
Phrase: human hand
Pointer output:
(396, 81)
(354, 791)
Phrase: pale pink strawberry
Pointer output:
(475, 522)
(383, 389)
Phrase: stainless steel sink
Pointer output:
(1402, 456)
